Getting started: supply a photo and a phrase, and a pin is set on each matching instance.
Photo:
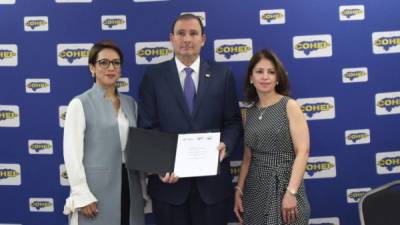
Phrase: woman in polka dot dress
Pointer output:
(270, 189)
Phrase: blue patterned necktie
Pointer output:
(188, 88)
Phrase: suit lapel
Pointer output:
(204, 81)
(172, 79)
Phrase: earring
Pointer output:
(277, 83)
(251, 82)
(93, 74)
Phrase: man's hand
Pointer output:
(169, 178)
(222, 151)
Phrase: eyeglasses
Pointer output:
(105, 63)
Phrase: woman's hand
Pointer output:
(90, 211)
(238, 208)
(289, 208)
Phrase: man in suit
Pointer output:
(183, 95)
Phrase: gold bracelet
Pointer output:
(239, 189)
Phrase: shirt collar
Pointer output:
(195, 65)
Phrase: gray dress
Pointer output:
(272, 157)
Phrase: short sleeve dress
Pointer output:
(272, 157)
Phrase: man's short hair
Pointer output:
(187, 17)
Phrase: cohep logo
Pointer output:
(357, 137)
(352, 75)
(201, 15)
(351, 12)
(10, 174)
(8, 55)
(7, 2)
(62, 113)
(388, 162)
(36, 23)
(320, 167)
(9, 116)
(153, 52)
(113, 22)
(227, 50)
(387, 103)
(73, 54)
(235, 170)
(354, 195)
(63, 176)
(123, 84)
(324, 221)
(73, 1)
(386, 42)
(312, 46)
(40, 147)
(272, 16)
(41, 205)
(318, 108)
(37, 85)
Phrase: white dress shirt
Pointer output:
(182, 74)
(74, 131)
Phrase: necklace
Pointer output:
(262, 113)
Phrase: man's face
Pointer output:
(187, 39)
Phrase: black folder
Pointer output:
(151, 151)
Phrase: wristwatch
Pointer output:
(291, 191)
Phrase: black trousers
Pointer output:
(193, 212)
(125, 197)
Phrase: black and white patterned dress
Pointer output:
(272, 157)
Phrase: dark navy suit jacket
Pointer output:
(162, 106)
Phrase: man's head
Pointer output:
(187, 37)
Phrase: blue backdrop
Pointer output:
(342, 60)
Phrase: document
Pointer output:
(197, 155)
(187, 155)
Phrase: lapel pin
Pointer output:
(208, 75)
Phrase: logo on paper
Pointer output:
(312, 46)
(387, 103)
(7, 2)
(9, 116)
(40, 146)
(10, 174)
(37, 85)
(41, 204)
(233, 50)
(351, 12)
(8, 55)
(318, 108)
(386, 42)
(235, 170)
(123, 84)
(36, 23)
(153, 52)
(324, 221)
(113, 22)
(388, 162)
(62, 113)
(320, 167)
(355, 137)
(351, 75)
(354, 195)
(275, 16)
(73, 54)
(63, 176)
